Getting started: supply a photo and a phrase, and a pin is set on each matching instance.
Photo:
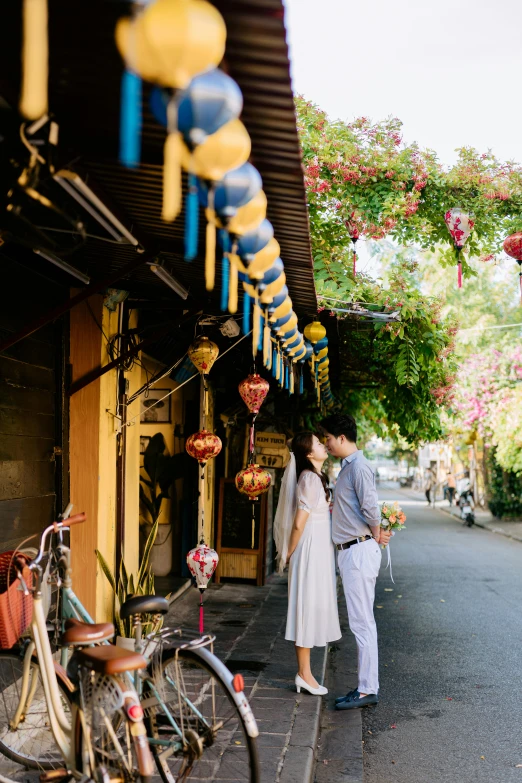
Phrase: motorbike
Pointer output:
(466, 510)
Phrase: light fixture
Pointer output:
(74, 185)
(169, 280)
(63, 265)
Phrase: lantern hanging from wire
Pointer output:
(253, 390)
(202, 561)
(203, 353)
(253, 481)
(354, 234)
(513, 248)
(460, 225)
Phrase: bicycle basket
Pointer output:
(16, 609)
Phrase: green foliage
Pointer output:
(505, 490)
(159, 476)
(129, 585)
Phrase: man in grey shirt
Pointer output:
(357, 534)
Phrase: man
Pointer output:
(357, 534)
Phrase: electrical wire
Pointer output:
(486, 328)
(131, 421)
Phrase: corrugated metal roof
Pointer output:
(84, 95)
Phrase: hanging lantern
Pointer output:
(202, 561)
(513, 248)
(354, 234)
(251, 243)
(314, 332)
(253, 391)
(249, 217)
(203, 445)
(203, 353)
(253, 481)
(460, 225)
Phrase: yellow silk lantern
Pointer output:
(283, 309)
(314, 332)
(272, 289)
(187, 37)
(249, 216)
(263, 260)
(226, 149)
(203, 353)
(136, 49)
(35, 56)
(322, 353)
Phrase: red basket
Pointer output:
(16, 609)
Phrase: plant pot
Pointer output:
(125, 643)
(161, 555)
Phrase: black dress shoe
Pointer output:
(353, 701)
(343, 698)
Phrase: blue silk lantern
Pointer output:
(237, 188)
(210, 101)
(251, 243)
(279, 299)
(271, 275)
(320, 344)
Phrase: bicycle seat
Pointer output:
(77, 633)
(144, 604)
(108, 659)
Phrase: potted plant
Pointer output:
(127, 585)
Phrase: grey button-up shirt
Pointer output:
(355, 501)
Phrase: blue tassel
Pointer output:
(281, 372)
(287, 382)
(225, 271)
(130, 120)
(260, 341)
(191, 219)
(274, 362)
(301, 383)
(246, 313)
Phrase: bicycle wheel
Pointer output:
(31, 745)
(215, 744)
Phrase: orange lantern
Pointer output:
(253, 481)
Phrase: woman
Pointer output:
(302, 530)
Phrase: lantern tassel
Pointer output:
(35, 60)
(130, 120)
(225, 277)
(301, 382)
(171, 177)
(459, 275)
(261, 332)
(201, 613)
(281, 371)
(291, 378)
(191, 219)
(267, 353)
(253, 525)
(354, 261)
(520, 283)
(255, 328)
(275, 364)
(287, 381)
(246, 313)
(210, 254)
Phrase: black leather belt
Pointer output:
(348, 544)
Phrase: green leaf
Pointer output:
(106, 569)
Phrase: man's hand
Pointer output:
(384, 537)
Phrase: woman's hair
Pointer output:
(302, 445)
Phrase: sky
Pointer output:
(451, 71)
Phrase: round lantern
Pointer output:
(203, 445)
(202, 562)
(314, 332)
(203, 353)
(251, 243)
(253, 391)
(513, 247)
(253, 481)
(460, 225)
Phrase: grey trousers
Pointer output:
(359, 566)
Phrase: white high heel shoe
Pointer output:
(300, 683)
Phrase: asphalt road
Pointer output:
(450, 640)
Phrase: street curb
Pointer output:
(300, 756)
(180, 591)
(497, 530)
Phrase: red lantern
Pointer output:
(253, 391)
(253, 481)
(203, 445)
(513, 247)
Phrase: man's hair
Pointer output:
(340, 424)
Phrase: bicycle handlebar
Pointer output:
(56, 527)
(74, 520)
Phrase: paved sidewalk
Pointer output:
(249, 623)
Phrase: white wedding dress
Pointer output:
(313, 618)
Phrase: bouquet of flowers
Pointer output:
(392, 516)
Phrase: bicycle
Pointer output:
(197, 717)
(96, 721)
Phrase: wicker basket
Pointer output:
(16, 609)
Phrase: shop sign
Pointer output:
(271, 440)
(270, 460)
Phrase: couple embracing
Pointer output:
(306, 538)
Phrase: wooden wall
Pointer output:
(31, 424)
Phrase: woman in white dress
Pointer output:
(302, 531)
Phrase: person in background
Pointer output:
(452, 486)
(429, 484)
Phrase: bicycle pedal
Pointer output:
(54, 775)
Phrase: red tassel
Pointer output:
(460, 275)
(354, 263)
(201, 617)
(252, 439)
